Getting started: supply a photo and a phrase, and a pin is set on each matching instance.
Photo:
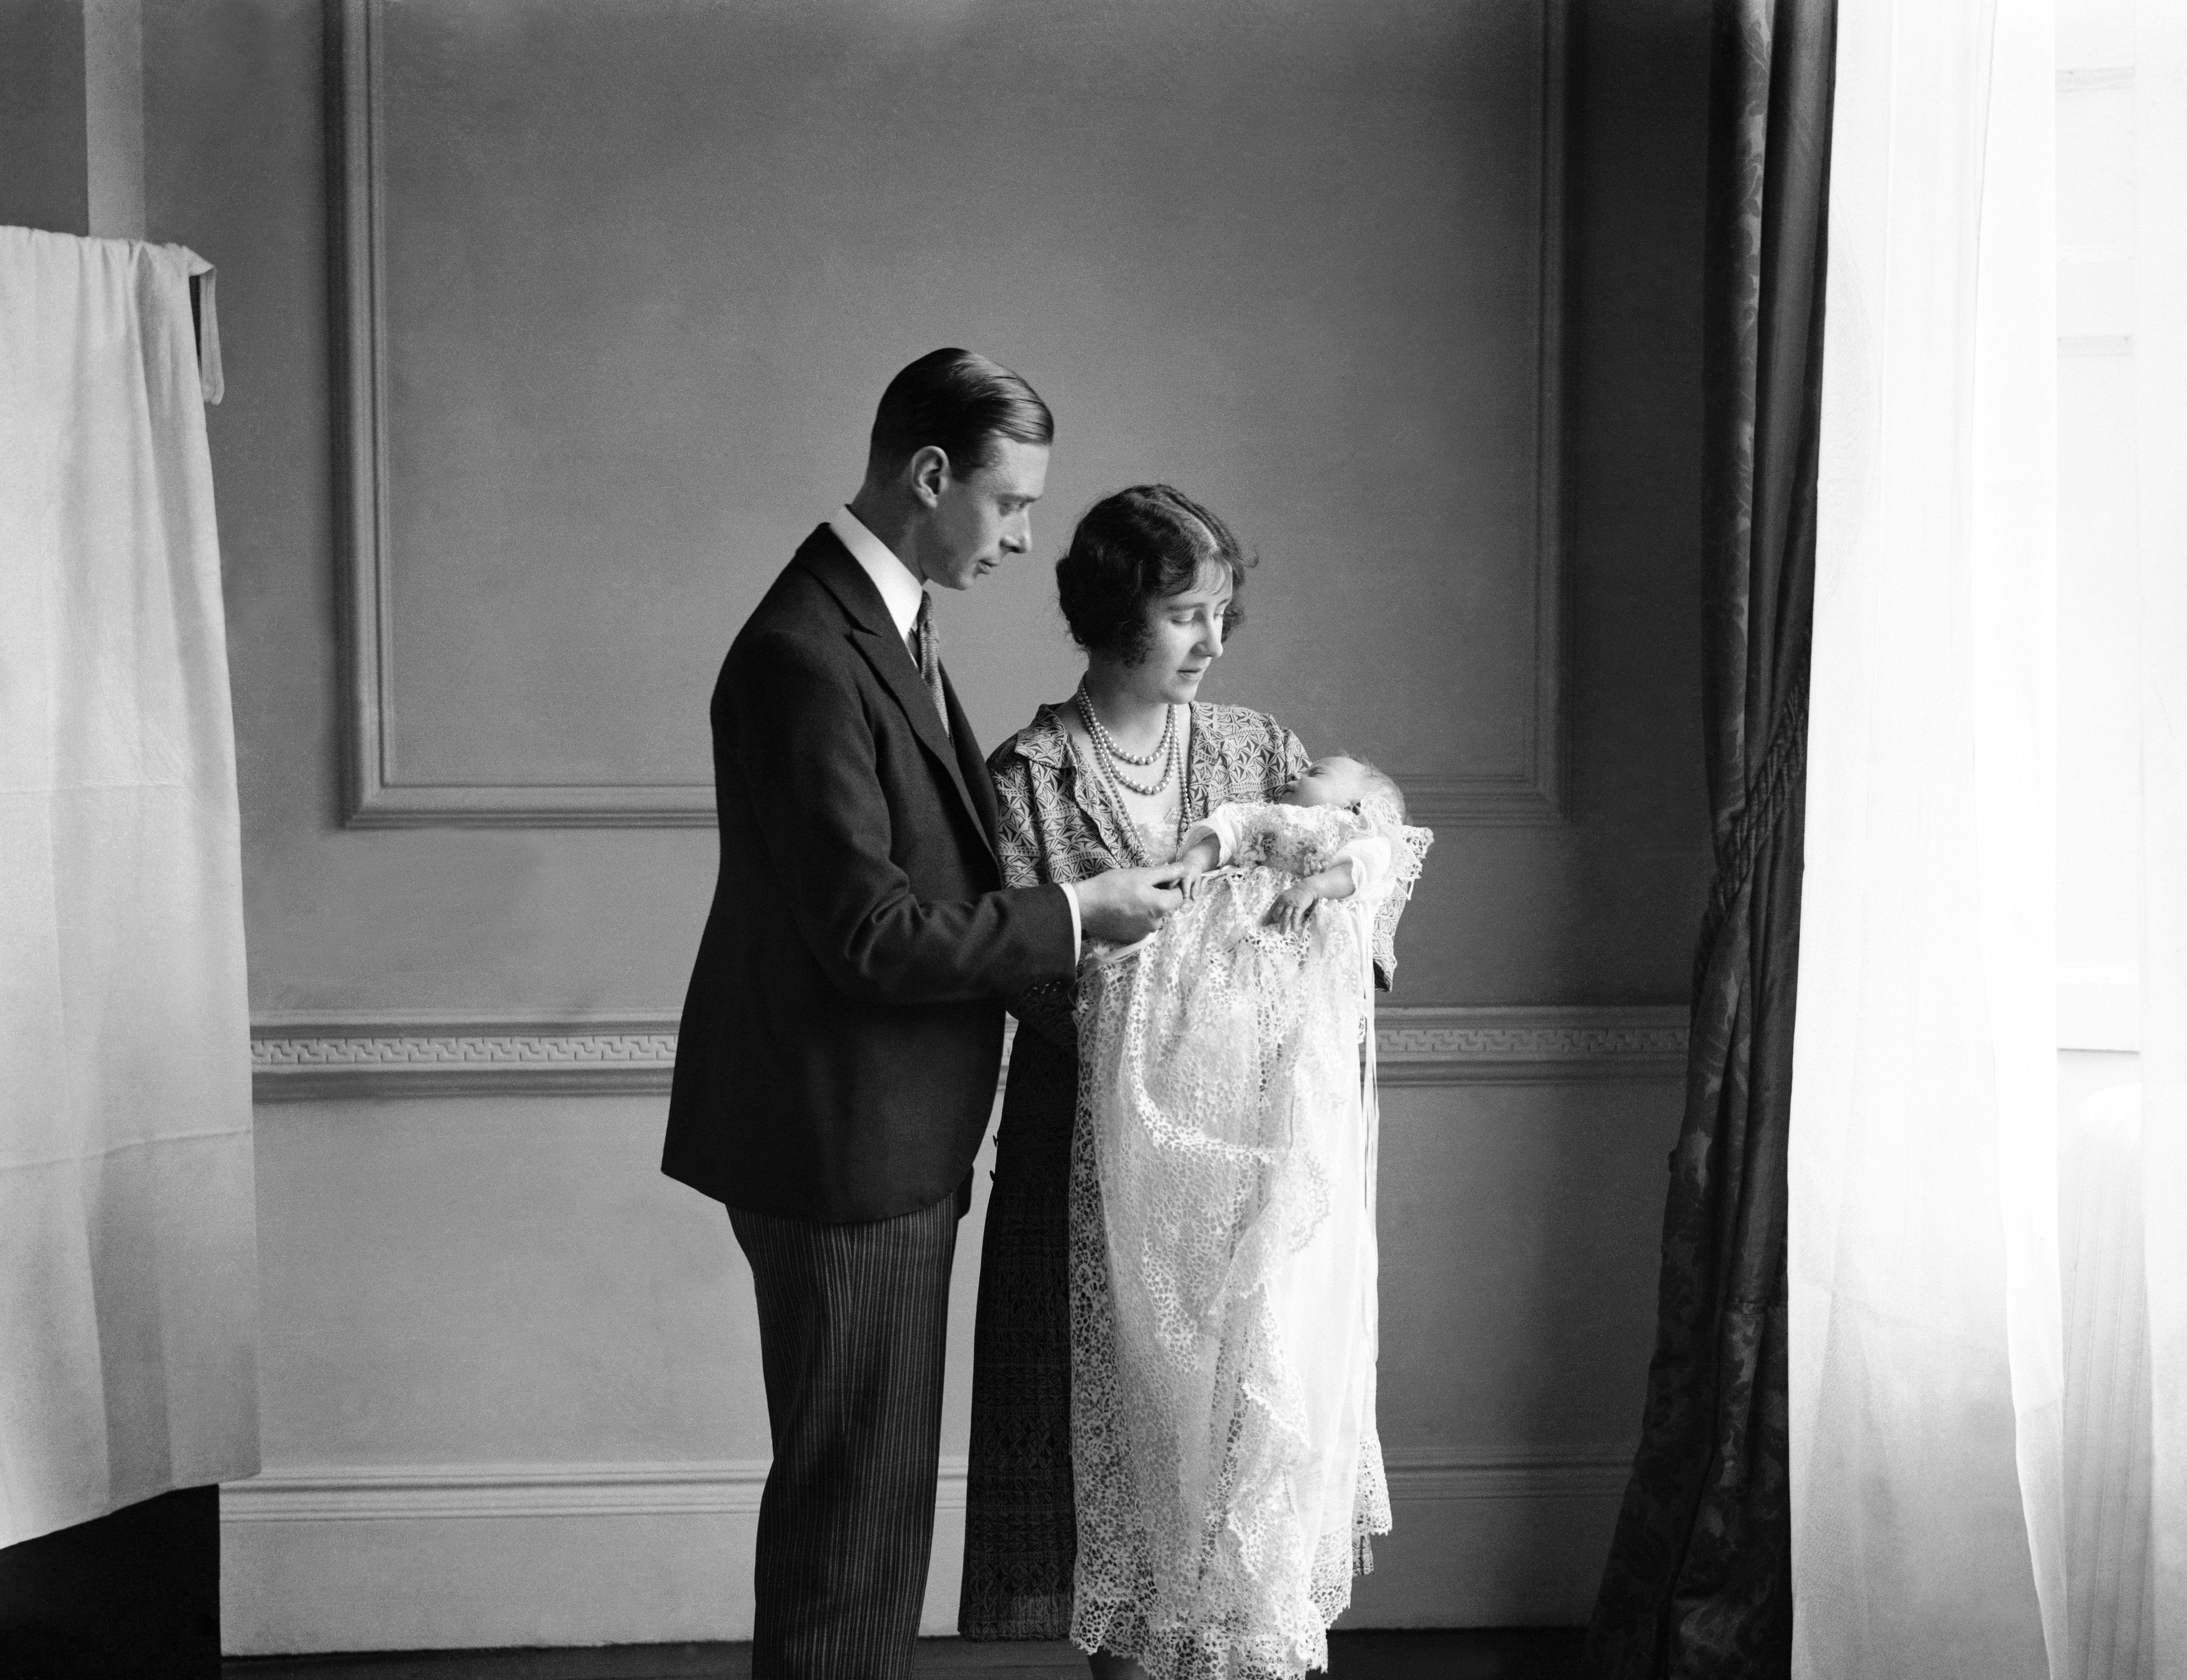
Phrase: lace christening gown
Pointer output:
(1223, 1262)
(1058, 824)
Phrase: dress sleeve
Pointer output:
(1222, 823)
(1369, 857)
(1017, 834)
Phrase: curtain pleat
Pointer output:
(1699, 1580)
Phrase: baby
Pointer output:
(1333, 829)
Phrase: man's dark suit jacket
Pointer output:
(842, 1033)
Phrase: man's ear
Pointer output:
(928, 473)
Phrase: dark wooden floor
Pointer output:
(1477, 1654)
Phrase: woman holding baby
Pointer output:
(1166, 1540)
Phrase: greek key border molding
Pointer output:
(299, 1057)
(1532, 793)
(1505, 1046)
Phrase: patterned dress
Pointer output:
(1021, 1522)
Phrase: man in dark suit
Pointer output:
(843, 1028)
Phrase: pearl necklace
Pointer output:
(1107, 753)
(1099, 731)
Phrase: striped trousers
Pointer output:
(853, 1320)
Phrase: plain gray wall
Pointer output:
(648, 266)
(43, 132)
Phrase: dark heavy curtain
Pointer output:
(1699, 1580)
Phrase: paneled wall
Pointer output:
(627, 281)
(615, 290)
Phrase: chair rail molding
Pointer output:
(1531, 792)
(307, 1056)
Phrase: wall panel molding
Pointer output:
(373, 794)
(331, 1057)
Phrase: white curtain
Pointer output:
(1926, 1353)
(2109, 1634)
(2160, 366)
(128, 1272)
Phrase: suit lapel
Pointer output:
(873, 633)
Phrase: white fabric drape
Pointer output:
(2160, 366)
(2107, 1419)
(1924, 1342)
(128, 1292)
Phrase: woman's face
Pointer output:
(1184, 638)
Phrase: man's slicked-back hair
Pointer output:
(961, 403)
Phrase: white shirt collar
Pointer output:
(900, 587)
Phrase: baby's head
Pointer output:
(1349, 782)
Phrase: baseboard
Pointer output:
(326, 1559)
(732, 1486)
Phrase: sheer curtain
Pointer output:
(1925, 1347)
(2160, 357)
(128, 1308)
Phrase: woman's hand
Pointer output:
(1293, 904)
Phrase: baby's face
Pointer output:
(1329, 781)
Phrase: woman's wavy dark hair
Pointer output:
(1141, 545)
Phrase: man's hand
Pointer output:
(1125, 905)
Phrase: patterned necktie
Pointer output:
(927, 649)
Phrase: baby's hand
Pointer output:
(1293, 904)
(1194, 862)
